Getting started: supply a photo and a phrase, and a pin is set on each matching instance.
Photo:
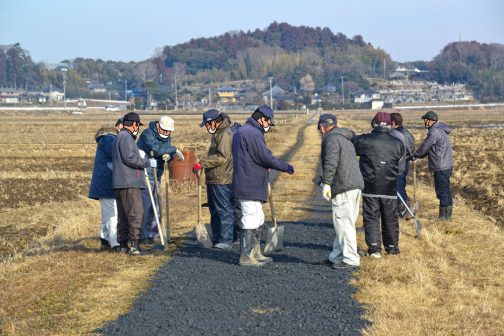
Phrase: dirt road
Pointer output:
(206, 292)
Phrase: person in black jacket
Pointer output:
(379, 154)
(397, 124)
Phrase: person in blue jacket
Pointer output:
(101, 185)
(252, 161)
(156, 139)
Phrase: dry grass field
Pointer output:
(53, 280)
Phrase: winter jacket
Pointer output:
(251, 161)
(438, 146)
(340, 168)
(218, 163)
(128, 166)
(379, 155)
(410, 142)
(150, 140)
(101, 179)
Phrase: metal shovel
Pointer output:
(167, 201)
(200, 230)
(274, 234)
(418, 225)
(155, 211)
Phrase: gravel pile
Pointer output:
(205, 291)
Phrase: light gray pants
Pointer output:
(108, 227)
(345, 209)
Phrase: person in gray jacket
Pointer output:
(342, 183)
(128, 163)
(437, 146)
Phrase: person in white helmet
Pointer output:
(156, 139)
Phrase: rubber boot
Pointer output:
(257, 248)
(448, 213)
(442, 213)
(247, 239)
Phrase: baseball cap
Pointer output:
(166, 123)
(431, 115)
(209, 116)
(327, 119)
(132, 116)
(267, 112)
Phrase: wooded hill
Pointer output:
(298, 58)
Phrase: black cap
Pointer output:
(132, 116)
(209, 116)
(431, 115)
(327, 119)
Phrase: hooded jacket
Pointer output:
(437, 145)
(251, 161)
(379, 155)
(128, 166)
(101, 179)
(340, 168)
(150, 140)
(218, 163)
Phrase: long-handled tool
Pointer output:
(154, 209)
(200, 230)
(275, 234)
(415, 203)
(158, 198)
(167, 201)
(418, 225)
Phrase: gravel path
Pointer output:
(205, 291)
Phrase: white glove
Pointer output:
(326, 192)
(179, 155)
(153, 163)
(166, 157)
(142, 153)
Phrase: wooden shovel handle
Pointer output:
(198, 174)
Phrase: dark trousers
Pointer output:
(221, 212)
(401, 184)
(442, 186)
(384, 210)
(237, 218)
(130, 214)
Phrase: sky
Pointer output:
(129, 30)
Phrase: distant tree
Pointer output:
(306, 83)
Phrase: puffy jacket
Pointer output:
(339, 164)
(101, 179)
(437, 145)
(379, 155)
(128, 166)
(151, 141)
(251, 161)
(218, 163)
(410, 142)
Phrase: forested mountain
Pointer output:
(298, 58)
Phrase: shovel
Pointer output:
(418, 225)
(159, 201)
(275, 234)
(167, 200)
(415, 203)
(200, 230)
(155, 211)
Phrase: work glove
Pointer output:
(142, 153)
(197, 167)
(290, 170)
(166, 157)
(179, 155)
(153, 163)
(326, 192)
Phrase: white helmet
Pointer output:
(167, 123)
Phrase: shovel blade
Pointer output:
(202, 236)
(274, 239)
(418, 227)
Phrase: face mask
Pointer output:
(163, 136)
(135, 133)
(211, 131)
(266, 129)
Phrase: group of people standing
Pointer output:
(379, 176)
(237, 168)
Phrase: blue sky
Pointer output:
(127, 30)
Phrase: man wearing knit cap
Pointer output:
(380, 154)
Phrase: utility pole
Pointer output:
(176, 94)
(209, 96)
(384, 68)
(271, 93)
(126, 90)
(342, 92)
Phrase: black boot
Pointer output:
(449, 212)
(442, 213)
(247, 244)
(257, 248)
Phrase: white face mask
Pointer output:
(211, 131)
(135, 132)
(266, 129)
(163, 136)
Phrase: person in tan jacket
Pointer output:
(218, 165)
